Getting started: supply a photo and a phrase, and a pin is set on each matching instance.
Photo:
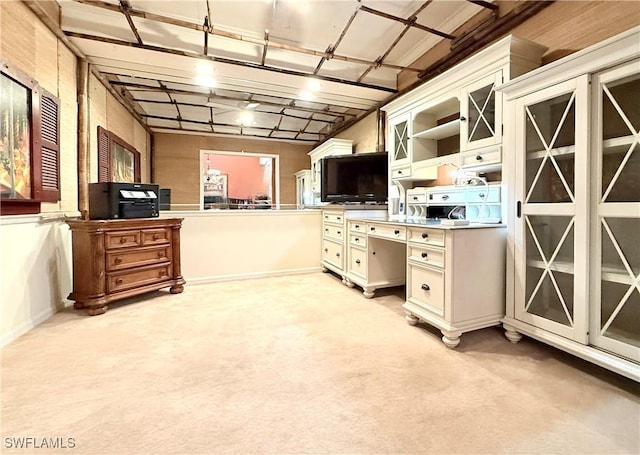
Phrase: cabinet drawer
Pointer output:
(133, 278)
(426, 236)
(425, 287)
(358, 240)
(447, 197)
(333, 232)
(137, 257)
(424, 255)
(333, 217)
(473, 159)
(358, 262)
(156, 236)
(332, 253)
(358, 226)
(388, 231)
(401, 172)
(122, 239)
(416, 197)
(477, 195)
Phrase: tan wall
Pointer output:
(564, 27)
(364, 134)
(176, 162)
(107, 112)
(29, 46)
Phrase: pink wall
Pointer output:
(244, 174)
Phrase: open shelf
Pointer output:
(441, 131)
(608, 272)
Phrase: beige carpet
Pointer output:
(300, 364)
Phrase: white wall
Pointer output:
(35, 271)
(232, 244)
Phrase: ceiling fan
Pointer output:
(240, 106)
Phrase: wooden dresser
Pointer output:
(116, 259)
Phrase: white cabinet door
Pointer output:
(615, 279)
(399, 135)
(481, 114)
(551, 221)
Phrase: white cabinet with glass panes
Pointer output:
(573, 277)
(399, 144)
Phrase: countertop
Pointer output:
(430, 223)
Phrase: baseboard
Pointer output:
(248, 276)
(26, 326)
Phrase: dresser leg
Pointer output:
(176, 289)
(451, 339)
(95, 311)
(411, 319)
(368, 292)
(512, 334)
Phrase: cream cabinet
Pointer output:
(334, 235)
(304, 190)
(456, 118)
(331, 147)
(455, 279)
(574, 217)
(376, 256)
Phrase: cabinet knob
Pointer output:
(396, 232)
(357, 226)
(118, 260)
(463, 118)
(162, 273)
(415, 198)
(357, 239)
(425, 235)
(357, 261)
(445, 197)
(123, 239)
(326, 250)
(156, 236)
(424, 255)
(481, 195)
(373, 229)
(338, 232)
(326, 230)
(478, 158)
(399, 172)
(425, 287)
(160, 254)
(119, 281)
(337, 254)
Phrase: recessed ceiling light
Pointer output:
(313, 85)
(249, 105)
(204, 67)
(205, 81)
(246, 118)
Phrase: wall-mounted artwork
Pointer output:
(15, 134)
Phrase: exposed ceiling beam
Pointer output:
(332, 48)
(164, 129)
(124, 8)
(236, 36)
(264, 49)
(412, 19)
(325, 111)
(484, 4)
(166, 50)
(406, 22)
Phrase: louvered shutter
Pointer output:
(50, 147)
(104, 163)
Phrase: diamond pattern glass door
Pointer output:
(482, 113)
(617, 314)
(547, 230)
(400, 141)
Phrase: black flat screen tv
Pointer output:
(355, 178)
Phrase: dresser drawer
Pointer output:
(122, 239)
(426, 236)
(156, 236)
(117, 260)
(332, 253)
(447, 197)
(133, 278)
(492, 156)
(358, 262)
(416, 197)
(401, 172)
(477, 195)
(333, 217)
(358, 240)
(388, 231)
(425, 255)
(333, 232)
(358, 226)
(425, 287)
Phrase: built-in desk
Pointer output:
(454, 275)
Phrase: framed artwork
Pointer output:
(16, 135)
(117, 160)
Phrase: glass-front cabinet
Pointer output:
(481, 114)
(551, 169)
(399, 133)
(615, 325)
